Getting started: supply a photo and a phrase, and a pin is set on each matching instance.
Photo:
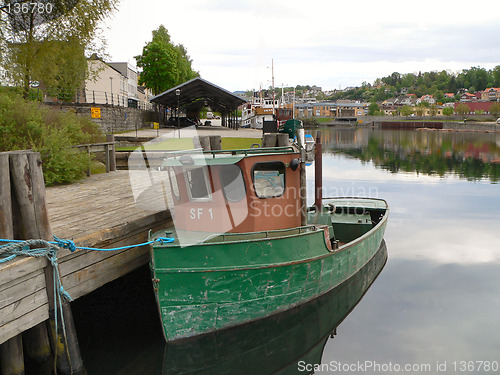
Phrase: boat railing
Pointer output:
(243, 151)
(232, 237)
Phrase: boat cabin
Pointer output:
(235, 191)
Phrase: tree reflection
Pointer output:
(471, 156)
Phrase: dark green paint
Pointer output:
(206, 287)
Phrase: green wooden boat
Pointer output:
(246, 247)
(283, 343)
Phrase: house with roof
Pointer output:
(491, 94)
(408, 99)
(390, 105)
(426, 98)
(467, 97)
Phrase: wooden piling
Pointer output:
(11, 351)
(37, 348)
(269, 139)
(283, 139)
(111, 154)
(33, 221)
(215, 142)
(6, 225)
(205, 143)
(11, 357)
(318, 174)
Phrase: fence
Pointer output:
(90, 96)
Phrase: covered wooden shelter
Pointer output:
(193, 95)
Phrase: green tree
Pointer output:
(374, 109)
(496, 76)
(184, 65)
(495, 109)
(164, 65)
(462, 109)
(30, 40)
(448, 111)
(420, 109)
(406, 110)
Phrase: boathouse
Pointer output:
(191, 96)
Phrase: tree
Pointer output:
(164, 65)
(32, 34)
(374, 109)
(495, 109)
(448, 111)
(406, 110)
(184, 65)
(420, 109)
(462, 109)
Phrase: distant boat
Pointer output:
(246, 247)
(260, 109)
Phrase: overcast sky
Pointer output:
(326, 43)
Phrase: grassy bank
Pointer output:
(229, 143)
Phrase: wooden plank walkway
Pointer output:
(97, 212)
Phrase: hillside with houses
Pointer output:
(471, 92)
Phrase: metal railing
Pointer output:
(90, 96)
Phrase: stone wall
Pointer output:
(113, 118)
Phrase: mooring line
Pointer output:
(39, 248)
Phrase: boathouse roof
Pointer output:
(198, 93)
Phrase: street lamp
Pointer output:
(111, 79)
(178, 94)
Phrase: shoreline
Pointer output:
(469, 126)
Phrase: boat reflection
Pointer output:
(471, 156)
(274, 345)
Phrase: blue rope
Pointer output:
(70, 245)
(48, 249)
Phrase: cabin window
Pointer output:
(174, 185)
(233, 185)
(269, 179)
(197, 183)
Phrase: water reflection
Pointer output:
(287, 343)
(469, 155)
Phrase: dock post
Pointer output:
(205, 143)
(11, 356)
(111, 154)
(32, 223)
(37, 349)
(269, 140)
(11, 351)
(318, 174)
(283, 139)
(215, 142)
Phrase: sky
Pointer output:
(331, 44)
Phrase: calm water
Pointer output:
(434, 308)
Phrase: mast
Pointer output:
(272, 76)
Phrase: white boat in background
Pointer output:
(264, 108)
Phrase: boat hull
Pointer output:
(211, 286)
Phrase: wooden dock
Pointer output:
(97, 212)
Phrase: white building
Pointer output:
(107, 85)
(130, 72)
